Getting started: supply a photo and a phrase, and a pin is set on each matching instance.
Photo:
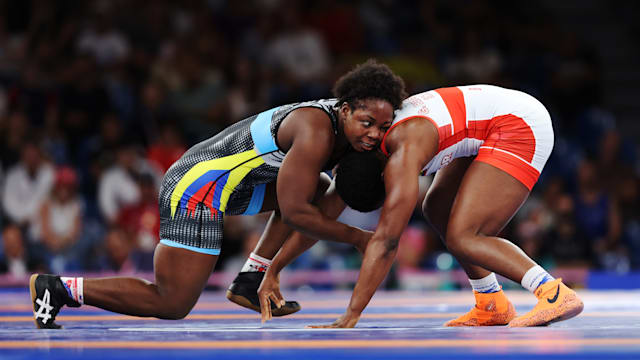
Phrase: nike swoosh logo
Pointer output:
(553, 299)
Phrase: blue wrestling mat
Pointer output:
(396, 325)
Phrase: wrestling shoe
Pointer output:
(244, 292)
(48, 295)
(491, 309)
(556, 302)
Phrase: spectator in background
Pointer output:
(105, 43)
(198, 96)
(298, 51)
(628, 200)
(168, 147)
(475, 62)
(13, 132)
(15, 261)
(98, 153)
(82, 99)
(59, 224)
(117, 185)
(3, 105)
(575, 79)
(121, 90)
(13, 49)
(54, 142)
(610, 160)
(378, 22)
(335, 22)
(564, 243)
(1, 187)
(541, 209)
(529, 239)
(32, 93)
(298, 58)
(117, 253)
(412, 248)
(254, 41)
(27, 185)
(153, 111)
(244, 97)
(597, 215)
(141, 222)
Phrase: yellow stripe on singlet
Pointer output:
(225, 163)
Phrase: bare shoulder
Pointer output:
(305, 122)
(416, 132)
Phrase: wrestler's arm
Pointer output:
(332, 206)
(401, 183)
(412, 145)
(312, 140)
(309, 138)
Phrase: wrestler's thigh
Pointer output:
(487, 199)
(182, 274)
(437, 204)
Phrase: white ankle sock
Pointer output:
(256, 263)
(75, 287)
(535, 277)
(488, 284)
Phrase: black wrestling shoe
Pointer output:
(244, 292)
(48, 295)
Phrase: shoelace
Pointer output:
(44, 311)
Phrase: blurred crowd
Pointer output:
(98, 98)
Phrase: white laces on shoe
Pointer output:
(45, 307)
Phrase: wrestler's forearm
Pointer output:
(375, 266)
(318, 220)
(331, 206)
(292, 248)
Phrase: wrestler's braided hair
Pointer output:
(370, 80)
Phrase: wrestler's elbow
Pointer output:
(391, 245)
(295, 217)
(290, 220)
(388, 238)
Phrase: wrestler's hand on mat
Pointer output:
(269, 290)
(348, 320)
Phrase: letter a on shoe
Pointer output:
(48, 295)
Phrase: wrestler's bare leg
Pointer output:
(437, 205)
(485, 202)
(180, 277)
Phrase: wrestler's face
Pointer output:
(365, 122)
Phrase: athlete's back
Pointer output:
(483, 120)
(237, 159)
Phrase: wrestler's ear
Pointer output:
(345, 109)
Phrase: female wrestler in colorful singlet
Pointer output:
(283, 152)
(226, 174)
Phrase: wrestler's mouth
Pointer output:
(367, 146)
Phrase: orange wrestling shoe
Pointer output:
(491, 309)
(556, 302)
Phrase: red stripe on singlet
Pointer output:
(512, 134)
(478, 129)
(454, 100)
(198, 197)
